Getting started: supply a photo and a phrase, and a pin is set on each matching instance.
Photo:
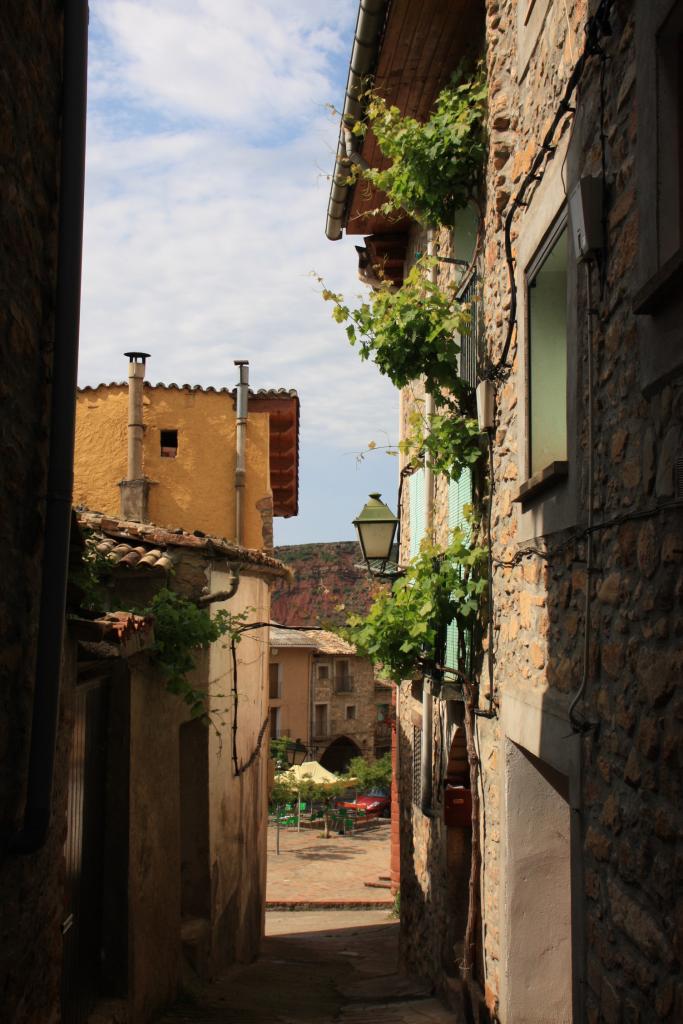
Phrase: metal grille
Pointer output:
(471, 338)
(417, 764)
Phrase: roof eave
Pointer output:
(366, 43)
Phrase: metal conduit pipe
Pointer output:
(242, 405)
(33, 833)
(369, 25)
(427, 683)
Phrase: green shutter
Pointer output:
(459, 495)
(417, 510)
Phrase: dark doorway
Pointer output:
(337, 756)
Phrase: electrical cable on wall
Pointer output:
(598, 25)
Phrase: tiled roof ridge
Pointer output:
(158, 536)
(258, 393)
(323, 640)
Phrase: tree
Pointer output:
(371, 775)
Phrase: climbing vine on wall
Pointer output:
(437, 165)
(410, 333)
(181, 628)
(399, 633)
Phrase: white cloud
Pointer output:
(205, 204)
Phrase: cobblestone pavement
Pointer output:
(311, 869)
(318, 967)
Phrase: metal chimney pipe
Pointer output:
(136, 377)
(242, 405)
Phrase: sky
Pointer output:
(209, 151)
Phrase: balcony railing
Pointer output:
(343, 684)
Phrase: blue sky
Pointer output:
(209, 146)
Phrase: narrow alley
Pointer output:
(319, 966)
(330, 951)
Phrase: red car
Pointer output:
(377, 802)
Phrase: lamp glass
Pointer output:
(296, 753)
(376, 527)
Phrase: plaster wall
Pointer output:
(295, 689)
(537, 892)
(193, 491)
(238, 805)
(154, 844)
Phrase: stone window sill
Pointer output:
(542, 481)
(664, 285)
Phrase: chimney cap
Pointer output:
(241, 362)
(134, 357)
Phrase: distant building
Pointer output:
(185, 461)
(323, 694)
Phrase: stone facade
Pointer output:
(351, 712)
(577, 900)
(31, 887)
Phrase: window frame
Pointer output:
(556, 470)
(557, 505)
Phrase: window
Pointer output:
(350, 712)
(459, 497)
(274, 680)
(670, 135)
(342, 678)
(169, 444)
(382, 712)
(274, 723)
(547, 352)
(321, 719)
(417, 510)
(323, 671)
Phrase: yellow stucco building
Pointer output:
(189, 461)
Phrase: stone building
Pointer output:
(43, 52)
(180, 463)
(323, 694)
(574, 269)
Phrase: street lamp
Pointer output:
(376, 527)
(296, 753)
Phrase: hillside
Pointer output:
(327, 585)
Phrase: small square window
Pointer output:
(350, 711)
(169, 444)
(323, 671)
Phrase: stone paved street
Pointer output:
(314, 870)
(318, 967)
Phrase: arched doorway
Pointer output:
(337, 756)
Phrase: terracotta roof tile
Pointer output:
(258, 393)
(119, 541)
(320, 640)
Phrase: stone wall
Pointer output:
(361, 729)
(30, 887)
(622, 776)
(631, 777)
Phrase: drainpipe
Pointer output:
(241, 447)
(134, 489)
(34, 830)
(427, 683)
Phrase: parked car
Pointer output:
(377, 802)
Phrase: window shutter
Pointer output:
(417, 511)
(459, 495)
